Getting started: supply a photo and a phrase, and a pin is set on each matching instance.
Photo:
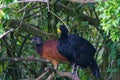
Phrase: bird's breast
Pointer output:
(49, 51)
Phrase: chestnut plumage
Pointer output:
(48, 50)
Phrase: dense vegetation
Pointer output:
(99, 23)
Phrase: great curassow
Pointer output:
(48, 50)
(77, 50)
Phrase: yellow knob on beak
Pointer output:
(58, 30)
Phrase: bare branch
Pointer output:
(85, 1)
(65, 74)
(1, 36)
(68, 74)
(21, 1)
(23, 59)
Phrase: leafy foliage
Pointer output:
(82, 19)
(110, 21)
(2, 14)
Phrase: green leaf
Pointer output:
(1, 29)
(84, 23)
(118, 62)
(112, 70)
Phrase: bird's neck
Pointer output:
(63, 36)
(38, 48)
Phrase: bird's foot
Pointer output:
(72, 73)
(75, 72)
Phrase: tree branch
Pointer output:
(1, 36)
(85, 1)
(23, 59)
(29, 29)
(68, 74)
(21, 1)
(64, 74)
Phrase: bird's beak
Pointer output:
(58, 30)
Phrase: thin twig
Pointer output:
(110, 66)
(32, 8)
(23, 8)
(42, 75)
(32, 15)
(56, 15)
(20, 22)
(1, 36)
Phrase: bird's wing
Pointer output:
(81, 45)
(83, 60)
(82, 50)
(67, 51)
(80, 59)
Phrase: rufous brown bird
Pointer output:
(77, 50)
(48, 50)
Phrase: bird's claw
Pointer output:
(50, 69)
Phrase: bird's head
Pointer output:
(37, 40)
(63, 29)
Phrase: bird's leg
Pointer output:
(76, 71)
(73, 69)
(55, 64)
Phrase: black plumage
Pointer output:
(77, 50)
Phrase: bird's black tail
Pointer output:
(94, 68)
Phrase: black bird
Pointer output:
(77, 50)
